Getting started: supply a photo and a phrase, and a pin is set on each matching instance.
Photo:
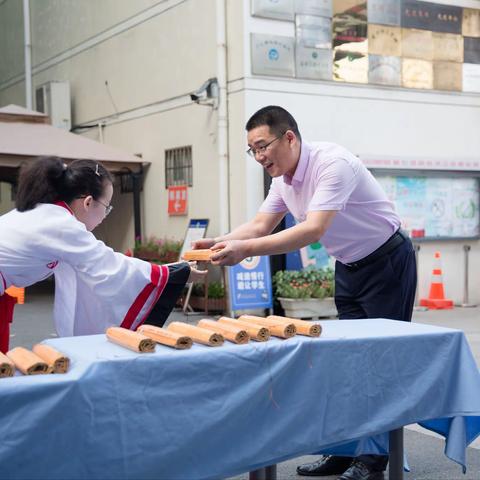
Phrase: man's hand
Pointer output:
(203, 243)
(229, 252)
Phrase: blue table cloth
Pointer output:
(214, 412)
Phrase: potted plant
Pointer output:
(306, 293)
(157, 250)
(214, 300)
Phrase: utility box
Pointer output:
(53, 99)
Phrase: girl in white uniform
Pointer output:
(50, 233)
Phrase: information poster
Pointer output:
(250, 284)
(435, 207)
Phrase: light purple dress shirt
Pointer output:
(329, 177)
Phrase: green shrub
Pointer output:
(308, 283)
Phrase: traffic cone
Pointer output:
(436, 298)
(18, 293)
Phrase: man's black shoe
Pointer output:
(359, 471)
(324, 466)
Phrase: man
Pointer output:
(336, 200)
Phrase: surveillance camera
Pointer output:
(208, 91)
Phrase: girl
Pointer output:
(49, 232)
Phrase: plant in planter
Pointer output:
(214, 300)
(157, 250)
(306, 293)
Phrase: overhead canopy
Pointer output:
(26, 134)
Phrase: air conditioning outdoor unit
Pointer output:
(53, 99)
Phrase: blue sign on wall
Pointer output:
(250, 284)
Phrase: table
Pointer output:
(216, 412)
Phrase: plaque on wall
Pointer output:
(313, 31)
(447, 47)
(384, 40)
(384, 70)
(471, 23)
(417, 73)
(471, 50)
(447, 76)
(277, 9)
(272, 55)
(431, 16)
(471, 78)
(417, 44)
(350, 25)
(322, 8)
(313, 63)
(384, 12)
(350, 67)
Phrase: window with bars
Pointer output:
(178, 166)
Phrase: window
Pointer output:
(178, 166)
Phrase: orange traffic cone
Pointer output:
(436, 298)
(18, 293)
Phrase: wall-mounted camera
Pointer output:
(207, 94)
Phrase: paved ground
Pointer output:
(33, 322)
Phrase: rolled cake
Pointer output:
(234, 334)
(256, 332)
(303, 327)
(199, 335)
(27, 362)
(164, 337)
(56, 361)
(278, 329)
(7, 367)
(132, 340)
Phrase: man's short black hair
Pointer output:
(276, 118)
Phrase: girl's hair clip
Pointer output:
(96, 170)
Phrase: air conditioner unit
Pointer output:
(53, 99)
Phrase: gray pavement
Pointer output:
(33, 323)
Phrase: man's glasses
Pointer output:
(252, 151)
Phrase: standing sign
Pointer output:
(250, 284)
(177, 200)
(197, 228)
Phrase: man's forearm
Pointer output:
(245, 231)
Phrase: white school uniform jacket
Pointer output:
(95, 287)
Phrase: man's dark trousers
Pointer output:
(384, 288)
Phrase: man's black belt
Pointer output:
(391, 244)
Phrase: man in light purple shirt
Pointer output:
(338, 202)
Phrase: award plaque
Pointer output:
(417, 73)
(471, 23)
(322, 8)
(314, 32)
(431, 16)
(350, 25)
(447, 76)
(384, 70)
(277, 9)
(350, 67)
(272, 55)
(417, 44)
(471, 78)
(384, 12)
(447, 47)
(313, 63)
(384, 40)
(471, 50)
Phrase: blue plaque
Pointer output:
(431, 16)
(250, 284)
(384, 12)
(471, 50)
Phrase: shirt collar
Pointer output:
(64, 205)
(299, 174)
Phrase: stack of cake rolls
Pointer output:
(43, 359)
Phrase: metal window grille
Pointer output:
(178, 166)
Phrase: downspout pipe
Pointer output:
(28, 54)
(222, 119)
